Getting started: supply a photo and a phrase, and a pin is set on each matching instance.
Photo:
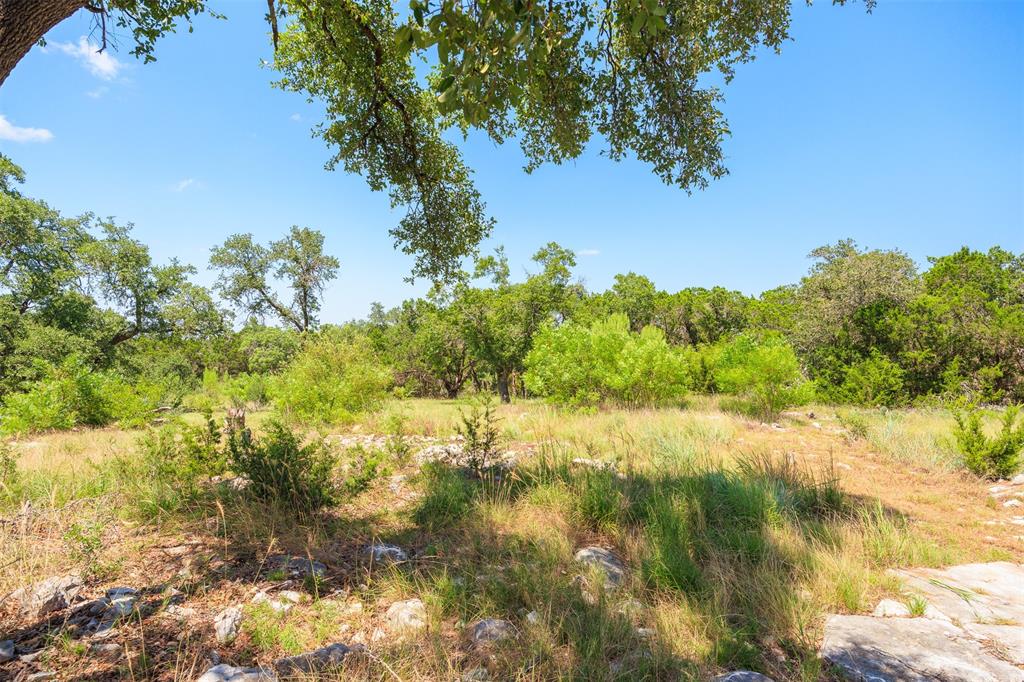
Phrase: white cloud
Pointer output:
(96, 93)
(12, 133)
(184, 184)
(296, 117)
(588, 252)
(100, 64)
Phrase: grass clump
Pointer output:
(448, 496)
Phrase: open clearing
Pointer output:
(771, 551)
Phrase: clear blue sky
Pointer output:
(903, 128)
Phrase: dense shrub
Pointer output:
(67, 395)
(875, 380)
(764, 372)
(332, 379)
(997, 457)
(283, 470)
(72, 394)
(606, 363)
(183, 453)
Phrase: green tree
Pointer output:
(606, 363)
(551, 75)
(764, 371)
(247, 272)
(498, 324)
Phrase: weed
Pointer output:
(917, 605)
(84, 540)
(479, 428)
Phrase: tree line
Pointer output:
(88, 319)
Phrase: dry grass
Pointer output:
(508, 550)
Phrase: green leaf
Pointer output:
(444, 85)
(639, 19)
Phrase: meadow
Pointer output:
(736, 538)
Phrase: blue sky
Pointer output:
(902, 129)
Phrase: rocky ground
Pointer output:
(194, 607)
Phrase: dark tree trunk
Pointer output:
(503, 388)
(24, 22)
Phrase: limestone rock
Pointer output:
(282, 602)
(742, 676)
(295, 566)
(227, 624)
(6, 650)
(52, 594)
(972, 593)
(606, 562)
(408, 615)
(910, 650)
(325, 658)
(491, 630)
(228, 673)
(383, 553)
(1006, 640)
(890, 608)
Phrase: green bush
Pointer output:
(606, 363)
(182, 453)
(364, 467)
(997, 457)
(69, 394)
(334, 378)
(764, 372)
(282, 470)
(876, 381)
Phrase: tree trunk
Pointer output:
(24, 22)
(503, 388)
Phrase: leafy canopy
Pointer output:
(551, 75)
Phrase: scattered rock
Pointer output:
(1012, 503)
(180, 612)
(286, 601)
(6, 650)
(383, 553)
(491, 630)
(108, 651)
(120, 601)
(40, 676)
(227, 624)
(409, 615)
(742, 676)
(890, 608)
(52, 594)
(476, 675)
(533, 618)
(228, 673)
(910, 650)
(1017, 480)
(606, 562)
(325, 658)
(295, 566)
(645, 633)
